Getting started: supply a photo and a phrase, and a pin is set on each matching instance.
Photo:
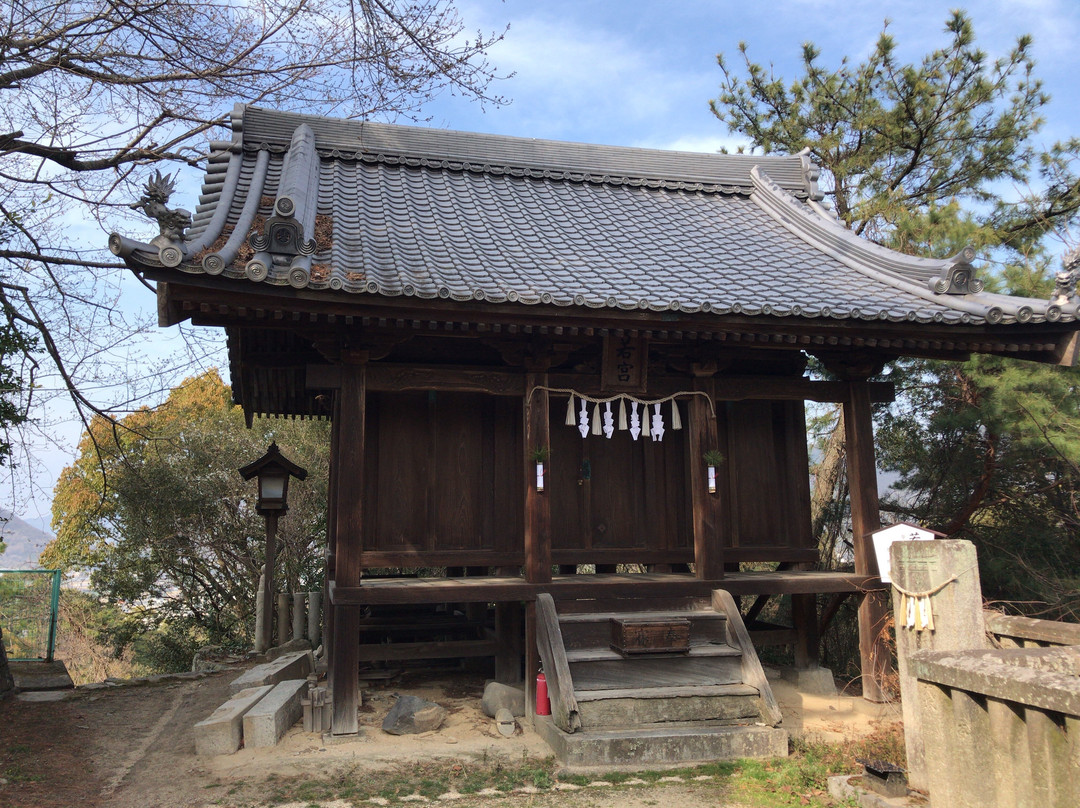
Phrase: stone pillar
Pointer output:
(282, 618)
(314, 602)
(957, 608)
(298, 615)
(260, 614)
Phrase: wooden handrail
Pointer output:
(549, 641)
(752, 672)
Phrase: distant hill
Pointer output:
(24, 542)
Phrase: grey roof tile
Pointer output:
(447, 214)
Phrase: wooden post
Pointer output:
(347, 517)
(537, 505)
(708, 552)
(532, 660)
(874, 654)
(804, 620)
(537, 433)
(268, 580)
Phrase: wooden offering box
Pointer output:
(629, 636)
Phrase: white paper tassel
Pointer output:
(622, 414)
(657, 424)
(596, 430)
(635, 421)
(609, 421)
(583, 419)
(571, 419)
(676, 420)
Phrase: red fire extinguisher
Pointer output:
(543, 703)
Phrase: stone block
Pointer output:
(221, 733)
(267, 721)
(498, 696)
(291, 666)
(812, 681)
(651, 748)
(411, 715)
(291, 647)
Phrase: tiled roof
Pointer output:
(374, 209)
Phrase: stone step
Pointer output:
(594, 630)
(267, 721)
(222, 731)
(658, 706)
(661, 746)
(615, 672)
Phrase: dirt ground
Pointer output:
(133, 747)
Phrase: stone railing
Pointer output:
(1001, 727)
(1028, 632)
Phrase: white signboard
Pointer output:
(883, 539)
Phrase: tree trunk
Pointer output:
(827, 490)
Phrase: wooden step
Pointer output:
(705, 649)
(617, 673)
(594, 630)
(666, 692)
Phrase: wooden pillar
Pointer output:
(348, 441)
(508, 634)
(537, 434)
(269, 595)
(708, 551)
(804, 620)
(331, 550)
(537, 505)
(862, 482)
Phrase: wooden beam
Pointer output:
(865, 518)
(393, 377)
(493, 589)
(537, 505)
(349, 416)
(705, 506)
(756, 607)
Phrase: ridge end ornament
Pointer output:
(154, 204)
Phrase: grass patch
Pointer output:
(15, 773)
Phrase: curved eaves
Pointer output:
(905, 272)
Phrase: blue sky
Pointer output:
(642, 74)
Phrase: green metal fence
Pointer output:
(29, 602)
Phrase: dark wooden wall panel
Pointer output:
(443, 473)
(399, 472)
(635, 498)
(766, 473)
(461, 486)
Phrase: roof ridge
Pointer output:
(258, 128)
